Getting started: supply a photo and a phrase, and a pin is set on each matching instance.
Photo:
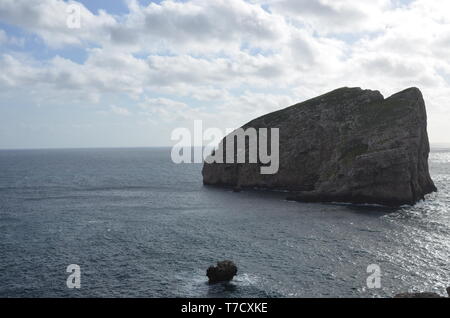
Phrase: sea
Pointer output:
(138, 225)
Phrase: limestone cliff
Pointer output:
(349, 145)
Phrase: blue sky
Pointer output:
(136, 70)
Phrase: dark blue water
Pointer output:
(139, 225)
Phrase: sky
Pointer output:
(135, 70)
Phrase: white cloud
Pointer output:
(200, 26)
(48, 19)
(333, 16)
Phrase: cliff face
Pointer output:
(349, 145)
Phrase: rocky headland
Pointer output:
(349, 145)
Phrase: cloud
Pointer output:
(228, 61)
(100, 74)
(198, 26)
(169, 110)
(238, 110)
(228, 71)
(121, 111)
(10, 40)
(334, 16)
(232, 109)
(48, 19)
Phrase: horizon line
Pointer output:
(432, 145)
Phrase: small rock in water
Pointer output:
(223, 272)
